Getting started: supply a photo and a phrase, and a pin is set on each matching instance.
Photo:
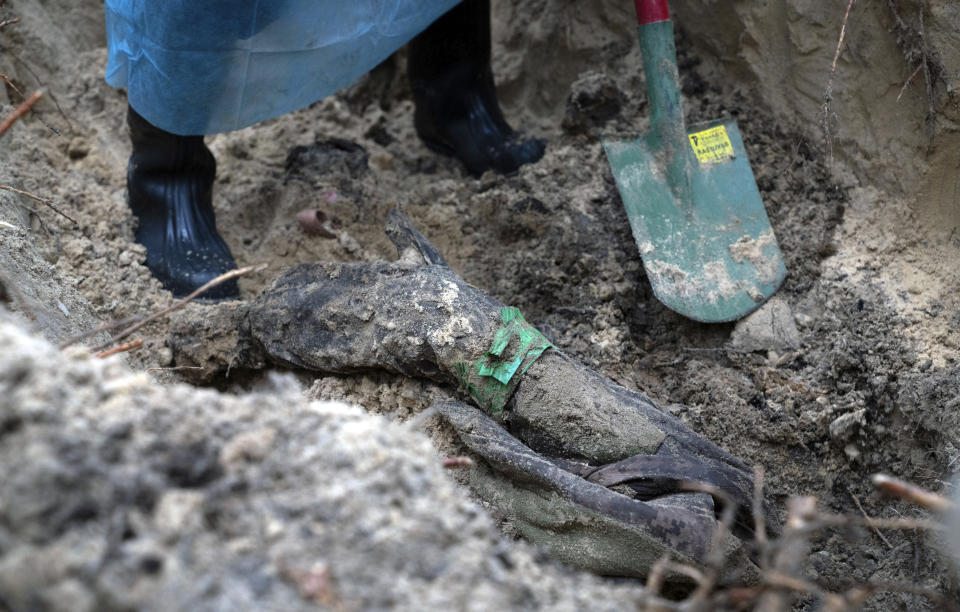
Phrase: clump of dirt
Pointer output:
(872, 274)
(121, 494)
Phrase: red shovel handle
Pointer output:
(652, 11)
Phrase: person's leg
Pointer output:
(457, 109)
(169, 189)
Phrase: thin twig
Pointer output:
(33, 73)
(907, 82)
(793, 549)
(657, 575)
(843, 33)
(129, 346)
(759, 520)
(34, 214)
(174, 369)
(912, 493)
(915, 43)
(652, 600)
(457, 462)
(44, 201)
(875, 530)
(690, 349)
(36, 113)
(20, 111)
(902, 524)
(683, 569)
(103, 327)
(10, 21)
(927, 76)
(828, 94)
(10, 83)
(181, 303)
(707, 581)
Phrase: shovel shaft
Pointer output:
(660, 69)
(666, 108)
(652, 11)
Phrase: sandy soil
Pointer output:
(863, 379)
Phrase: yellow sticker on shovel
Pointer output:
(712, 146)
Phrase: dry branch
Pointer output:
(715, 559)
(928, 76)
(36, 113)
(129, 346)
(912, 493)
(457, 462)
(820, 521)
(181, 303)
(828, 93)
(20, 111)
(913, 43)
(174, 369)
(793, 548)
(53, 98)
(779, 584)
(43, 201)
(7, 80)
(103, 327)
(759, 519)
(907, 82)
(875, 530)
(10, 21)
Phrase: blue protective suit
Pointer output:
(208, 66)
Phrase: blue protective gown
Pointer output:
(208, 66)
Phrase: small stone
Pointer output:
(771, 328)
(248, 446)
(843, 427)
(243, 545)
(382, 161)
(165, 357)
(68, 596)
(177, 511)
(349, 243)
(273, 528)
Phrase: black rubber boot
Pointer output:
(457, 109)
(169, 189)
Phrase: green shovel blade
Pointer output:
(709, 250)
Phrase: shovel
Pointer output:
(691, 197)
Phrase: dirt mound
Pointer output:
(121, 494)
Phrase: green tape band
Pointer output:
(492, 378)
